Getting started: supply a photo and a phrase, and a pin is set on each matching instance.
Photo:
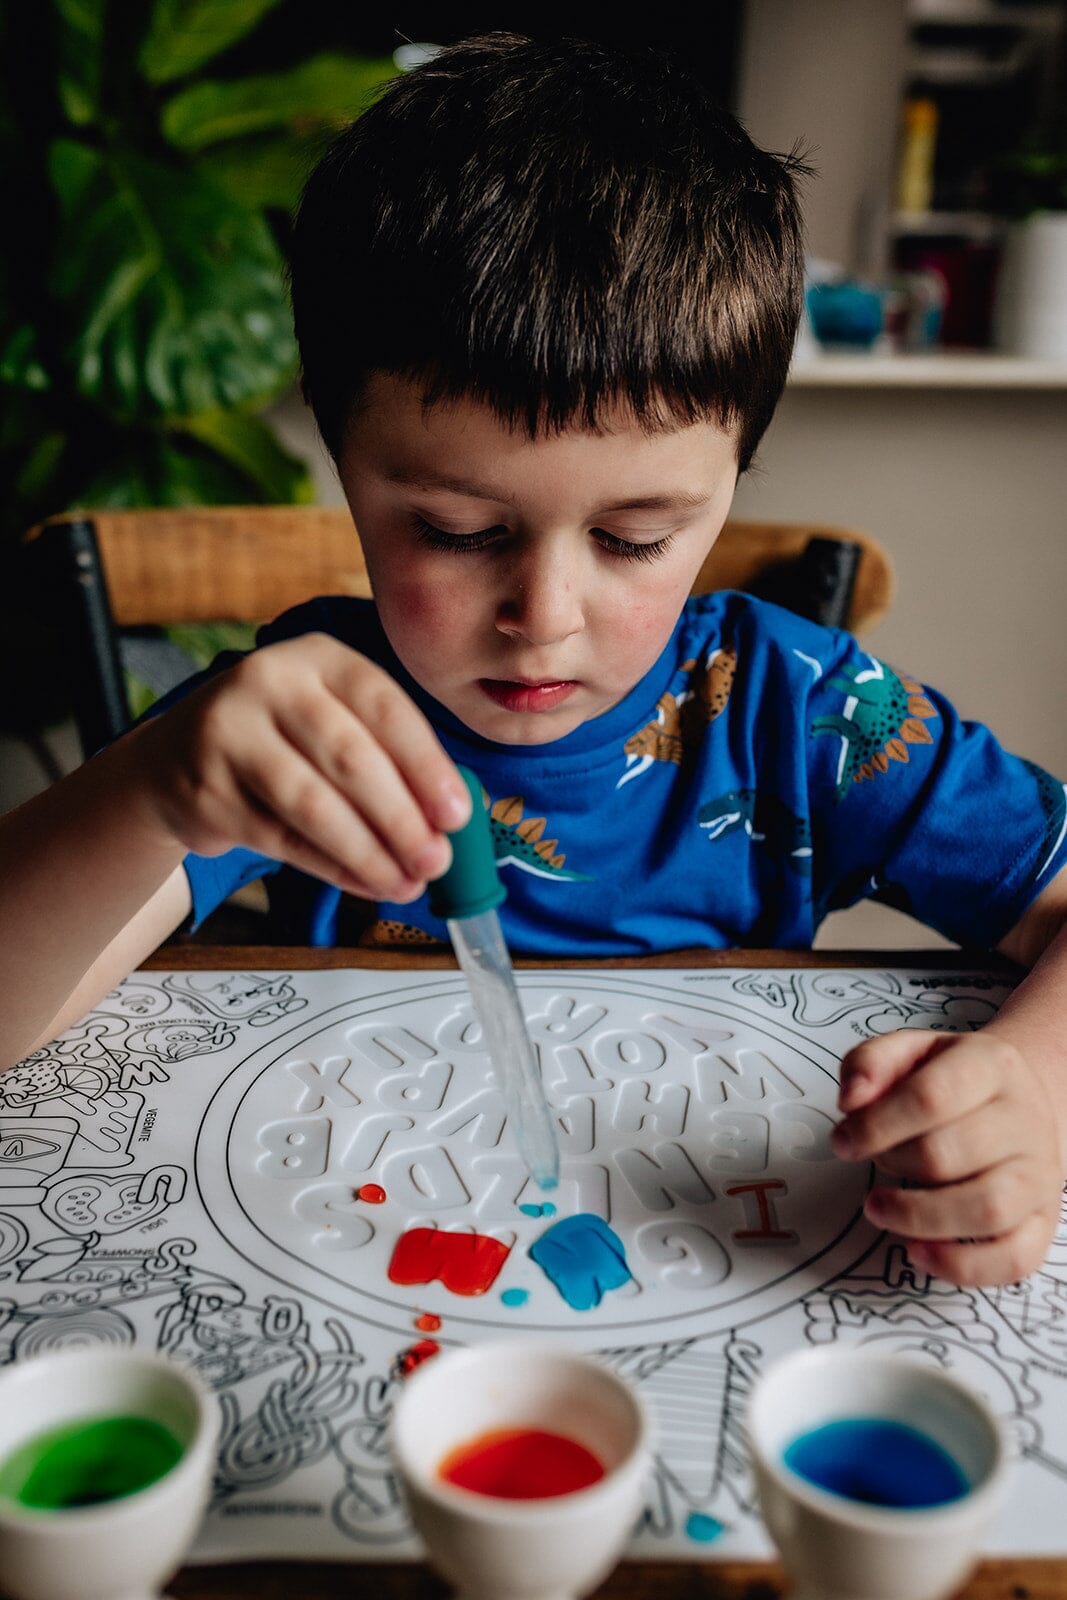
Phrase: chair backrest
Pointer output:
(101, 571)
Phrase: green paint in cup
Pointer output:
(87, 1463)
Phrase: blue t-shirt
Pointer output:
(764, 772)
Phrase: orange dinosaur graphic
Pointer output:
(679, 723)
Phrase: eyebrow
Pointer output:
(674, 500)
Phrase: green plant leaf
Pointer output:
(20, 363)
(266, 171)
(328, 91)
(183, 34)
(165, 470)
(79, 50)
(173, 294)
(249, 445)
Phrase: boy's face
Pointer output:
(527, 585)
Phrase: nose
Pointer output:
(542, 599)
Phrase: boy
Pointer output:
(546, 297)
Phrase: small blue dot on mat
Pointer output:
(702, 1528)
(515, 1297)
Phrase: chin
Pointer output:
(513, 728)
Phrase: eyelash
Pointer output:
(471, 543)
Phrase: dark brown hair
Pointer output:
(547, 228)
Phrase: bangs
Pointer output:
(576, 237)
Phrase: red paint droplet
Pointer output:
(427, 1323)
(466, 1263)
(521, 1464)
(372, 1193)
(414, 1356)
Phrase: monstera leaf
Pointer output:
(183, 34)
(258, 138)
(173, 292)
(326, 91)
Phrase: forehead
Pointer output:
(395, 431)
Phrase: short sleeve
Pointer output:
(912, 805)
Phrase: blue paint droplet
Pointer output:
(548, 1209)
(515, 1297)
(530, 1211)
(583, 1258)
(702, 1528)
(545, 1210)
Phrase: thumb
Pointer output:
(876, 1064)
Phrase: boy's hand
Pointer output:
(309, 753)
(969, 1121)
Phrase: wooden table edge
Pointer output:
(270, 958)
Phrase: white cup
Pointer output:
(835, 1548)
(120, 1549)
(538, 1549)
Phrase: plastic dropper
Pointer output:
(466, 897)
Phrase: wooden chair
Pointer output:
(97, 573)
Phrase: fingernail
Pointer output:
(455, 809)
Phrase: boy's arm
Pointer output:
(975, 1123)
(304, 752)
(89, 884)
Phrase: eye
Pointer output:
(627, 550)
(458, 543)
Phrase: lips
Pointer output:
(514, 695)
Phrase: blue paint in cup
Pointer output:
(877, 1462)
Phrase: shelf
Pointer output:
(963, 369)
(982, 14)
(974, 224)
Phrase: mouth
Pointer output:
(518, 695)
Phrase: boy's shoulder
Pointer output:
(763, 632)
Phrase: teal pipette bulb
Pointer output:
(466, 897)
(472, 883)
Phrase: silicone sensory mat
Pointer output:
(303, 1184)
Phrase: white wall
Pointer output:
(826, 74)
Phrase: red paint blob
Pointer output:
(414, 1356)
(466, 1263)
(372, 1193)
(427, 1323)
(521, 1464)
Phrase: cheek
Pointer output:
(423, 614)
(648, 619)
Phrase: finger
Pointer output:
(263, 835)
(960, 1149)
(406, 735)
(346, 752)
(872, 1067)
(303, 811)
(954, 1080)
(983, 1262)
(985, 1206)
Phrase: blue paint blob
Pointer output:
(877, 1462)
(515, 1297)
(702, 1528)
(548, 1209)
(545, 1210)
(583, 1258)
